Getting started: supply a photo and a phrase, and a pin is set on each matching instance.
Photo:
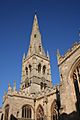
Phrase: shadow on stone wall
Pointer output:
(75, 115)
(12, 117)
(72, 116)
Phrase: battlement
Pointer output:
(62, 58)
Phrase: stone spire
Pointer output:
(36, 65)
(35, 40)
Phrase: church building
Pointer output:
(37, 98)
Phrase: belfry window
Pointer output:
(30, 68)
(26, 112)
(26, 70)
(6, 112)
(39, 68)
(44, 69)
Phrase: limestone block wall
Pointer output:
(46, 102)
(16, 103)
(67, 91)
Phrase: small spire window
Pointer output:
(39, 48)
(34, 35)
(39, 68)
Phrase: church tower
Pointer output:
(36, 72)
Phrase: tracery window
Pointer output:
(76, 81)
(26, 111)
(39, 68)
(40, 113)
(54, 112)
(6, 112)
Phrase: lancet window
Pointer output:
(40, 113)
(54, 112)
(6, 112)
(44, 69)
(39, 68)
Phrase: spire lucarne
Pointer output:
(36, 65)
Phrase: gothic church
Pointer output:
(37, 98)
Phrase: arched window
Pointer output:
(40, 113)
(44, 69)
(6, 112)
(39, 68)
(54, 112)
(26, 70)
(30, 68)
(76, 81)
(26, 111)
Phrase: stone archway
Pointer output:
(40, 113)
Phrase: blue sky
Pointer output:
(59, 22)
